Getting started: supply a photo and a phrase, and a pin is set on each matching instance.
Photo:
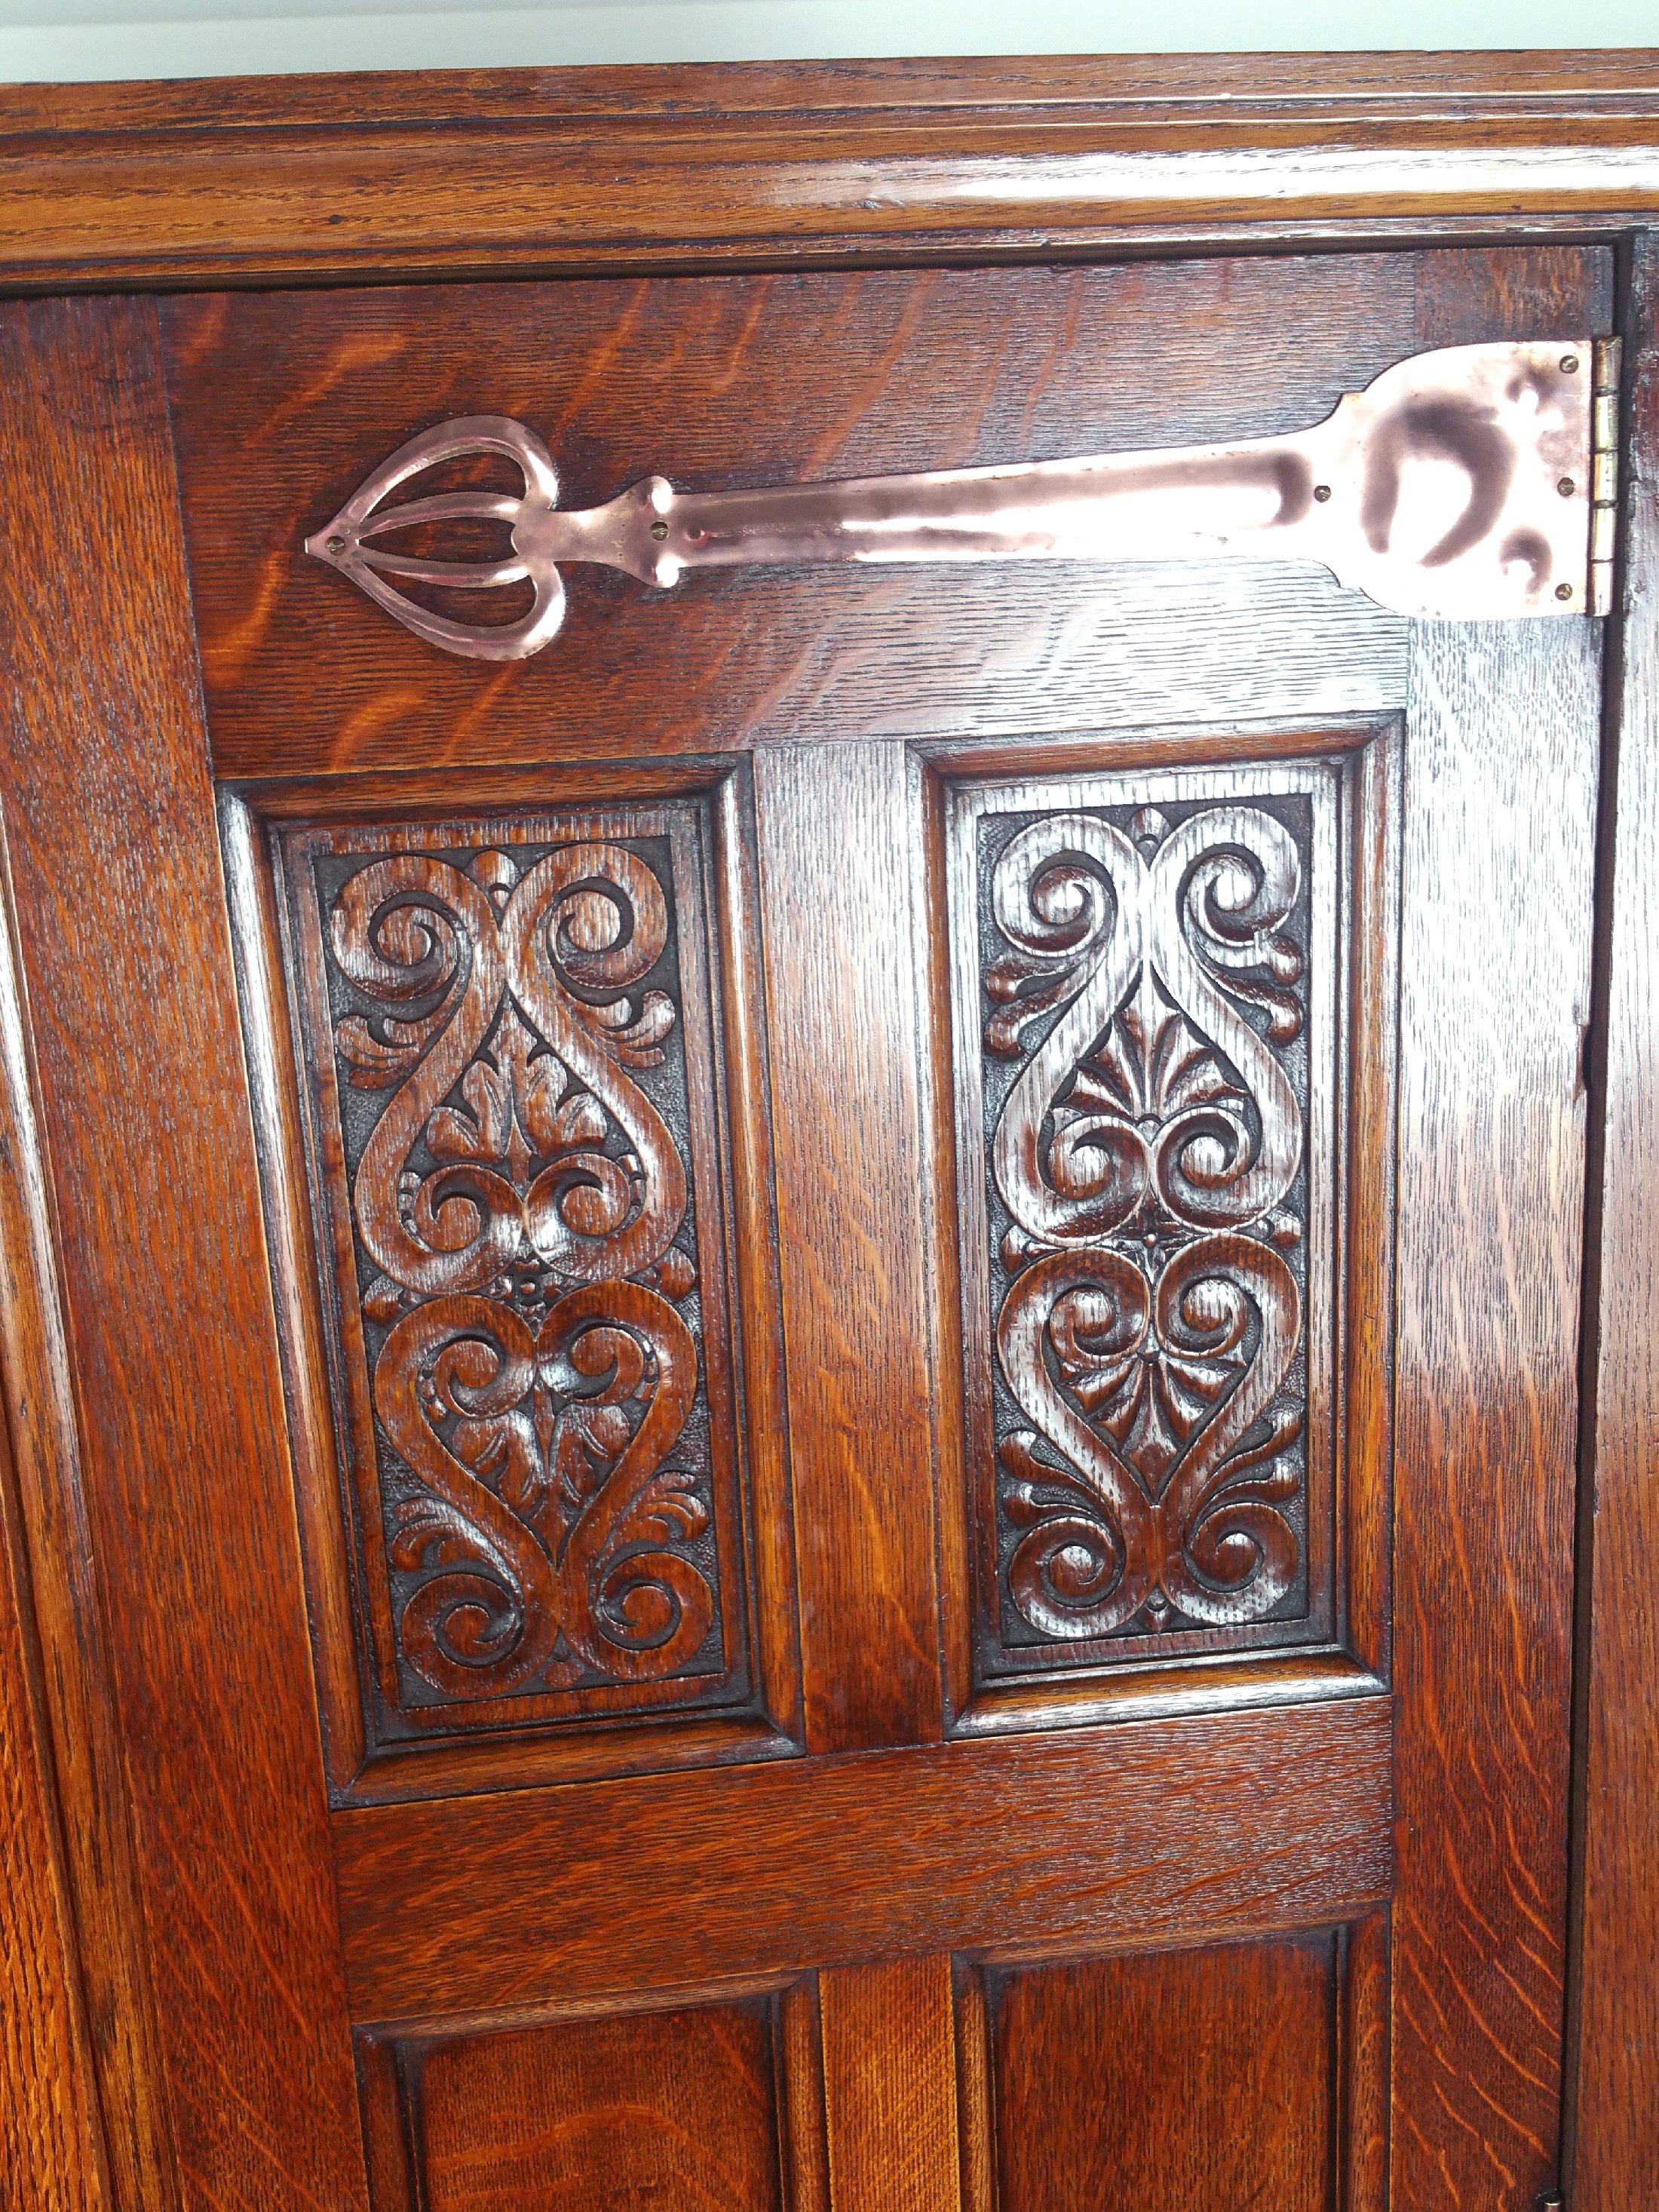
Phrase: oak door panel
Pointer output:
(1161, 2081)
(716, 2106)
(517, 1051)
(618, 1882)
(1171, 1015)
(283, 403)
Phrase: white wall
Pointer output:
(61, 39)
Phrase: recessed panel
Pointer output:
(510, 1034)
(1159, 1034)
(632, 2111)
(1181, 2081)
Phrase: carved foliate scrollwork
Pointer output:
(1144, 974)
(507, 1056)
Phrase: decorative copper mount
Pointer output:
(1474, 484)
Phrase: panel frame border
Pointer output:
(767, 1723)
(1354, 1659)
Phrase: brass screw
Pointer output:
(336, 545)
(1322, 493)
(1563, 591)
(660, 529)
(1569, 363)
(1566, 487)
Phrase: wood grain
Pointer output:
(889, 2062)
(642, 2109)
(252, 823)
(472, 1931)
(1082, 2054)
(76, 1676)
(841, 1013)
(1500, 784)
(1615, 2094)
(1345, 1021)
(51, 2130)
(283, 403)
(1125, 1835)
(451, 172)
(144, 1104)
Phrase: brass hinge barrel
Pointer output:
(1604, 474)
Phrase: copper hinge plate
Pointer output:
(1473, 483)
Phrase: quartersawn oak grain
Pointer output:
(1120, 1837)
(144, 1107)
(1501, 783)
(75, 1675)
(1194, 1829)
(52, 2150)
(889, 2068)
(677, 2108)
(283, 403)
(844, 1045)
(1248, 2030)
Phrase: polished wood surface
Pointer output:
(839, 976)
(52, 2148)
(1306, 1596)
(889, 2042)
(1248, 2030)
(1504, 733)
(1616, 2093)
(912, 1937)
(284, 402)
(446, 173)
(685, 1612)
(1142, 1832)
(156, 1213)
(46, 1510)
(674, 2107)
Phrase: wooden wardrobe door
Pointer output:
(674, 1638)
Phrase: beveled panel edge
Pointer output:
(1357, 1662)
(1358, 2032)
(769, 1727)
(77, 2068)
(388, 2059)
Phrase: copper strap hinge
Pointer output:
(1475, 484)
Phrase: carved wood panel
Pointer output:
(509, 1037)
(1152, 1021)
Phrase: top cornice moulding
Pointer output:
(1601, 80)
(418, 174)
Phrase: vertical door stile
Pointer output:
(124, 948)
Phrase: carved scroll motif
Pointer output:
(1148, 1156)
(519, 1209)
